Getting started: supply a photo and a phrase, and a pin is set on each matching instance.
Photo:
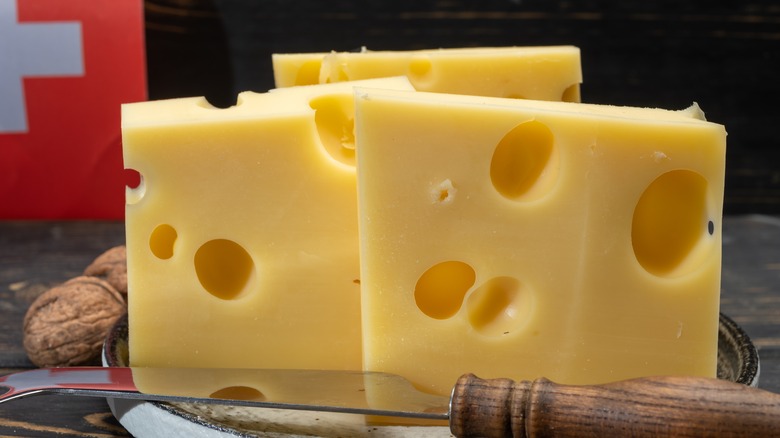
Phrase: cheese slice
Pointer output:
(519, 238)
(543, 73)
(242, 240)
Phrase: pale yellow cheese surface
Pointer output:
(517, 238)
(543, 73)
(242, 237)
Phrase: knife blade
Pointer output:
(644, 407)
(369, 393)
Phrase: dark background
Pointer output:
(723, 55)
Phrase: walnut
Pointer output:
(66, 325)
(112, 267)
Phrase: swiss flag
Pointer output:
(65, 68)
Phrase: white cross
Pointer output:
(30, 50)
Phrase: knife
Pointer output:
(644, 407)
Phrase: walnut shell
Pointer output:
(66, 325)
(112, 267)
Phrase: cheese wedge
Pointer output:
(242, 239)
(543, 73)
(519, 238)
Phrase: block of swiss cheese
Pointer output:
(543, 72)
(242, 242)
(518, 238)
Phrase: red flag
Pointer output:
(65, 68)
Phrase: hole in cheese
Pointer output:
(670, 224)
(217, 104)
(135, 186)
(498, 307)
(162, 240)
(335, 120)
(223, 268)
(523, 166)
(238, 393)
(444, 192)
(132, 178)
(440, 290)
(308, 73)
(420, 69)
(571, 94)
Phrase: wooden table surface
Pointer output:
(37, 255)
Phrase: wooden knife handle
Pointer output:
(645, 407)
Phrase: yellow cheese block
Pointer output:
(242, 236)
(518, 238)
(543, 73)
